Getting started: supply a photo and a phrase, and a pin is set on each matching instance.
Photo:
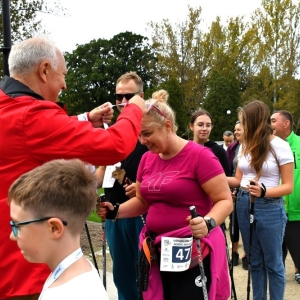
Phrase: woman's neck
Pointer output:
(176, 145)
(200, 141)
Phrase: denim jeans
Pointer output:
(266, 256)
(123, 240)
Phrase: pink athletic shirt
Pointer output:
(172, 186)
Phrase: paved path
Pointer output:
(292, 291)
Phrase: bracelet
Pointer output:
(263, 191)
(113, 214)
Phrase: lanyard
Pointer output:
(67, 262)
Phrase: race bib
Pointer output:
(175, 254)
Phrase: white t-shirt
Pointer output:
(85, 286)
(270, 176)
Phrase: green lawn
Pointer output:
(93, 216)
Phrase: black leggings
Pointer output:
(234, 227)
(181, 285)
(292, 241)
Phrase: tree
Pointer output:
(94, 68)
(290, 101)
(175, 101)
(278, 25)
(181, 56)
(222, 102)
(25, 22)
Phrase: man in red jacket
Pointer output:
(34, 130)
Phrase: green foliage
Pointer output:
(176, 101)
(180, 56)
(94, 217)
(290, 101)
(94, 68)
(222, 102)
(277, 26)
(263, 54)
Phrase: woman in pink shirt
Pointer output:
(172, 176)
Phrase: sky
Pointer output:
(94, 19)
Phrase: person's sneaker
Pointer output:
(235, 258)
(297, 278)
(245, 263)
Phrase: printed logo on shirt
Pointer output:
(155, 182)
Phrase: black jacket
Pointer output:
(220, 153)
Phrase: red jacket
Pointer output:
(32, 132)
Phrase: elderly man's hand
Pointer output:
(101, 114)
(140, 102)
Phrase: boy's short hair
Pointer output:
(65, 189)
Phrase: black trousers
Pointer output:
(181, 285)
(234, 227)
(292, 241)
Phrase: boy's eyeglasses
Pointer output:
(15, 226)
(128, 96)
(152, 106)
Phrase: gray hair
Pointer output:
(27, 55)
(227, 133)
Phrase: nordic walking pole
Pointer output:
(252, 199)
(199, 252)
(91, 246)
(233, 291)
(102, 199)
(230, 266)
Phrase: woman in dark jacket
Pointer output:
(201, 125)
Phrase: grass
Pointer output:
(93, 216)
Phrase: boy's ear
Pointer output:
(56, 228)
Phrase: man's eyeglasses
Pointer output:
(152, 106)
(15, 226)
(128, 96)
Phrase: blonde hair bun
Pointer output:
(161, 96)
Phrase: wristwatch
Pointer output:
(210, 223)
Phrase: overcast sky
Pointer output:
(94, 19)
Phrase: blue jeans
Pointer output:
(268, 231)
(123, 240)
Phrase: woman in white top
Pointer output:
(265, 160)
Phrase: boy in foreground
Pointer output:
(48, 208)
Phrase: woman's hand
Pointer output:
(198, 227)
(130, 190)
(233, 194)
(254, 188)
(102, 209)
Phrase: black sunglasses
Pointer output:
(128, 96)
